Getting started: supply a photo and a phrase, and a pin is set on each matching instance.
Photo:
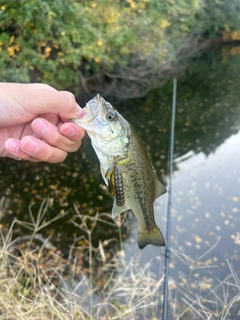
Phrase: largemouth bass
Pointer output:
(125, 166)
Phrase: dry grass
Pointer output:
(208, 297)
(37, 283)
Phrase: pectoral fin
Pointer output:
(103, 174)
(117, 210)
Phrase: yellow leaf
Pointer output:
(164, 24)
(99, 43)
(11, 51)
(96, 59)
(197, 239)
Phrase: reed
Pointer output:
(38, 283)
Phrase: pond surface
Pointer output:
(205, 228)
(206, 191)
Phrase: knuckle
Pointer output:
(57, 160)
(55, 139)
(78, 146)
(67, 98)
(75, 146)
(55, 156)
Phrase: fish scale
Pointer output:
(143, 190)
(115, 141)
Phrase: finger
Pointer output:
(72, 131)
(62, 103)
(12, 150)
(52, 136)
(40, 150)
(39, 99)
(42, 87)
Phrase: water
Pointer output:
(205, 201)
(205, 225)
(205, 235)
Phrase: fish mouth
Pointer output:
(91, 111)
(92, 108)
(94, 117)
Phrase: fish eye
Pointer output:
(111, 116)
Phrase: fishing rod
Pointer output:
(169, 205)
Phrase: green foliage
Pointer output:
(60, 41)
(36, 39)
(220, 15)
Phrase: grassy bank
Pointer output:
(37, 282)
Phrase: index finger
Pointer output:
(62, 103)
(37, 99)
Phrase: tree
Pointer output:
(65, 43)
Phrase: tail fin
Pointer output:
(155, 238)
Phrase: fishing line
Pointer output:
(102, 124)
(167, 251)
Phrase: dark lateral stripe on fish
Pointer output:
(147, 220)
(134, 181)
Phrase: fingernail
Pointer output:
(12, 145)
(40, 126)
(80, 112)
(69, 132)
(30, 145)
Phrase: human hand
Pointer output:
(34, 122)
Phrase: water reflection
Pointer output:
(205, 224)
(206, 202)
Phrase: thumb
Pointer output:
(44, 100)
